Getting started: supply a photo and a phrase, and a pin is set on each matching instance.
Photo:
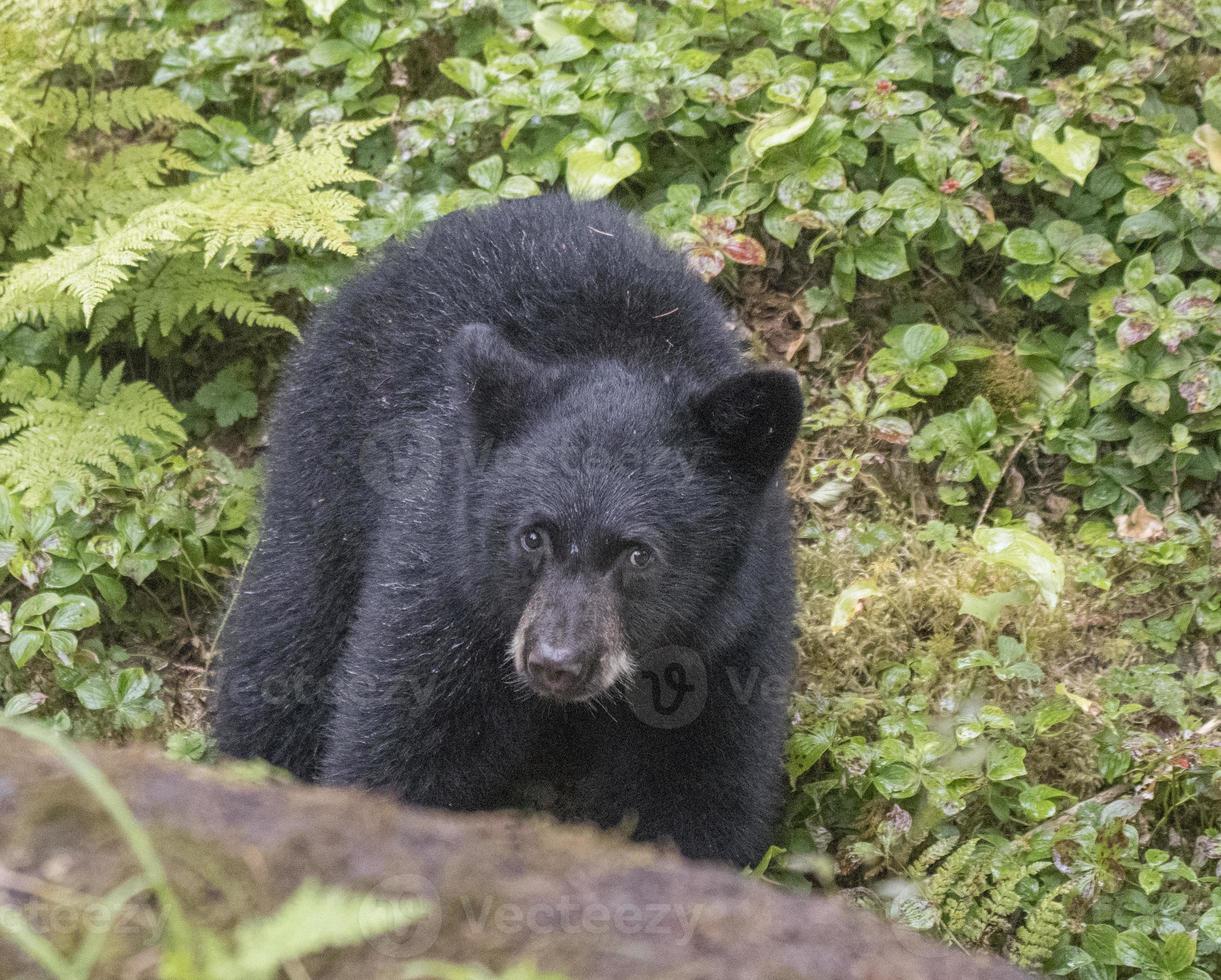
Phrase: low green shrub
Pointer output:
(986, 232)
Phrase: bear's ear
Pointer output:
(753, 419)
(492, 380)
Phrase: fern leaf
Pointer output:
(83, 424)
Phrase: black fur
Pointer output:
(540, 363)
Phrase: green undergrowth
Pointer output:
(986, 233)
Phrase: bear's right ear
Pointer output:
(753, 419)
(492, 380)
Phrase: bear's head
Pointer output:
(608, 507)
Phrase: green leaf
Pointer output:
(1027, 246)
(881, 258)
(487, 172)
(1013, 37)
(322, 9)
(1178, 952)
(919, 341)
(229, 396)
(361, 29)
(1091, 254)
(980, 421)
(94, 693)
(1074, 156)
(327, 54)
(850, 603)
(619, 19)
(22, 704)
(467, 73)
(1135, 949)
(785, 125)
(1005, 762)
(1141, 227)
(988, 608)
(36, 605)
(897, 780)
(24, 645)
(928, 379)
(907, 192)
(1021, 550)
(1139, 272)
(1210, 923)
(75, 612)
(591, 173)
(1148, 441)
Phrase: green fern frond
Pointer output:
(953, 868)
(997, 905)
(1040, 934)
(91, 271)
(126, 108)
(82, 426)
(291, 197)
(931, 855)
(167, 291)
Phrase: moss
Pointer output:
(1007, 384)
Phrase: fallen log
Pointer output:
(505, 887)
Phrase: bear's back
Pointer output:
(564, 280)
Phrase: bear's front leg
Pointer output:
(432, 725)
(714, 785)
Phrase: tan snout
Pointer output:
(569, 644)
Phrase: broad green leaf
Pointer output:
(24, 645)
(1005, 762)
(897, 780)
(1075, 155)
(918, 341)
(1013, 37)
(988, 608)
(928, 379)
(590, 173)
(322, 9)
(881, 258)
(75, 612)
(22, 704)
(1027, 246)
(1021, 550)
(785, 125)
(36, 605)
(487, 172)
(906, 192)
(332, 52)
(1178, 952)
(1090, 254)
(1133, 948)
(619, 19)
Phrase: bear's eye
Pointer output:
(531, 539)
(639, 556)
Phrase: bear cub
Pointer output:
(526, 539)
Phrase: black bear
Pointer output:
(526, 538)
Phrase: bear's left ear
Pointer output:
(753, 419)
(492, 380)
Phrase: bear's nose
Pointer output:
(556, 667)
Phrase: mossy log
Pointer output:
(506, 887)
